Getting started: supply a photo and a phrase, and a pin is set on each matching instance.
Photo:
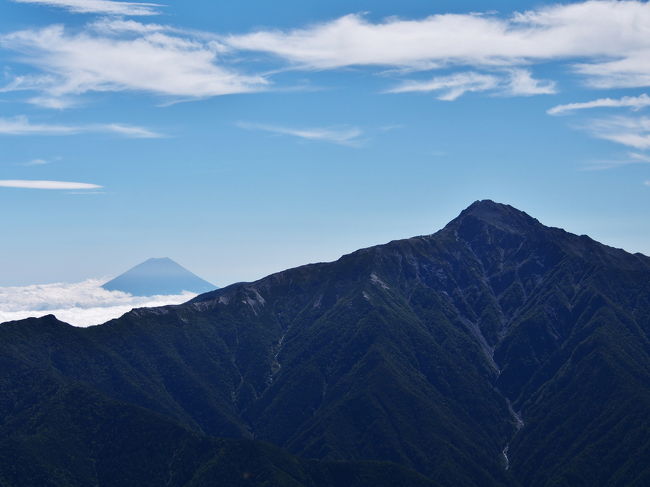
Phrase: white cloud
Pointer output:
(632, 158)
(609, 38)
(629, 131)
(36, 184)
(452, 86)
(122, 55)
(516, 82)
(343, 136)
(21, 125)
(647, 183)
(639, 158)
(107, 7)
(57, 103)
(522, 83)
(629, 70)
(127, 130)
(36, 162)
(634, 102)
(81, 304)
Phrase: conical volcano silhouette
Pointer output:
(158, 277)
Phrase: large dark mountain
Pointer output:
(496, 351)
(160, 276)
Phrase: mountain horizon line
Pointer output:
(465, 356)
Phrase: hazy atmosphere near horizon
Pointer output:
(242, 138)
(308, 243)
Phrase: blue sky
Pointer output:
(242, 138)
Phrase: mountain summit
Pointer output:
(496, 352)
(160, 276)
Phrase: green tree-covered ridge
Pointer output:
(496, 351)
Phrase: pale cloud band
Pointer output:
(105, 7)
(629, 131)
(593, 30)
(349, 136)
(632, 158)
(21, 125)
(450, 87)
(81, 304)
(36, 184)
(605, 41)
(517, 82)
(634, 102)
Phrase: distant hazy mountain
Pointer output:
(495, 352)
(156, 277)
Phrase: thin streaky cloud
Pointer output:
(450, 87)
(35, 184)
(515, 82)
(635, 156)
(634, 102)
(129, 131)
(36, 162)
(629, 131)
(53, 102)
(349, 136)
(105, 7)
(647, 183)
(631, 159)
(21, 125)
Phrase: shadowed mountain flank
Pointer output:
(497, 351)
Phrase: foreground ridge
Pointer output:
(497, 351)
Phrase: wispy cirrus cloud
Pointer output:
(450, 87)
(21, 125)
(631, 159)
(634, 102)
(349, 136)
(118, 55)
(36, 162)
(516, 82)
(105, 7)
(36, 184)
(639, 158)
(630, 131)
(80, 304)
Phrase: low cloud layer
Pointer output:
(80, 304)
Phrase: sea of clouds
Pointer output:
(83, 303)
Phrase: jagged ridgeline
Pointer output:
(495, 352)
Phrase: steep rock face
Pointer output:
(418, 352)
